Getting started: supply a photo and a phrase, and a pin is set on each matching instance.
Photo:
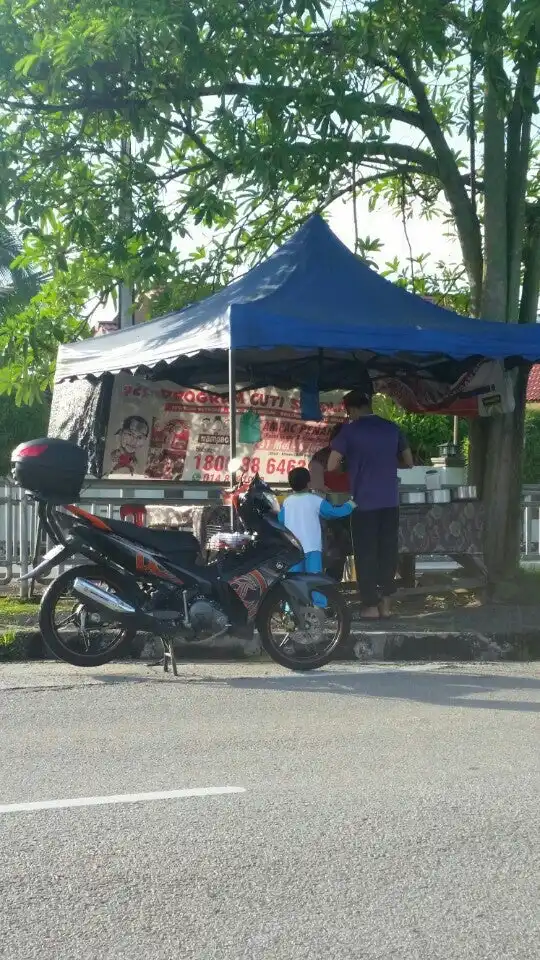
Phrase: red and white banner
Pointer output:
(162, 431)
(483, 390)
(165, 432)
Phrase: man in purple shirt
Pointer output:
(374, 449)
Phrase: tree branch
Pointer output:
(528, 308)
(400, 151)
(358, 182)
(187, 130)
(381, 150)
(176, 172)
(91, 104)
(518, 148)
(389, 70)
(495, 286)
(350, 106)
(466, 220)
(471, 113)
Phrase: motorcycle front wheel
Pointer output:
(327, 627)
(74, 634)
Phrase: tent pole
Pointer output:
(455, 432)
(126, 312)
(232, 417)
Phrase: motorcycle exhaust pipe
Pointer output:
(101, 600)
(113, 609)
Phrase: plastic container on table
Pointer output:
(133, 513)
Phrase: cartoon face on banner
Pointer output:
(131, 444)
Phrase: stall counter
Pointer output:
(448, 529)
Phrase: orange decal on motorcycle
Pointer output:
(260, 579)
(91, 517)
(250, 587)
(146, 565)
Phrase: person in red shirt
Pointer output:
(337, 537)
(321, 480)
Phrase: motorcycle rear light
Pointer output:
(33, 451)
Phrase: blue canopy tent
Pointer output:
(312, 313)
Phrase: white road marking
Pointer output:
(118, 798)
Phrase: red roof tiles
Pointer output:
(533, 386)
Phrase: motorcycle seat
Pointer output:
(167, 541)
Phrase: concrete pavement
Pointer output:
(388, 812)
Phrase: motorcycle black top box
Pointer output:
(53, 469)
(138, 579)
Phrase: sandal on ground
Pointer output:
(384, 612)
(373, 615)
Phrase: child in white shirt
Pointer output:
(302, 512)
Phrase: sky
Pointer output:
(385, 225)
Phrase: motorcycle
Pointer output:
(156, 582)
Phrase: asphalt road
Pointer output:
(387, 813)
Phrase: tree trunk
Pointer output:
(505, 437)
(478, 438)
(531, 267)
(498, 446)
(502, 487)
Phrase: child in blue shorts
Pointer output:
(302, 512)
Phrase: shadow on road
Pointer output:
(463, 690)
(477, 691)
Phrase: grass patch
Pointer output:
(13, 646)
(15, 608)
(7, 639)
(14, 605)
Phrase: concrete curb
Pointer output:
(368, 645)
(460, 645)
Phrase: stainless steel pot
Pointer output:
(439, 496)
(465, 493)
(413, 496)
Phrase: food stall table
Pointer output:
(454, 530)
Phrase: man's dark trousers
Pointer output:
(375, 541)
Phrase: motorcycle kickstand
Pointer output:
(169, 656)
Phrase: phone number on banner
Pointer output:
(214, 468)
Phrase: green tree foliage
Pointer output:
(243, 117)
(18, 287)
(531, 458)
(424, 433)
(30, 329)
(19, 423)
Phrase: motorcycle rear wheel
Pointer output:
(81, 650)
(304, 655)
